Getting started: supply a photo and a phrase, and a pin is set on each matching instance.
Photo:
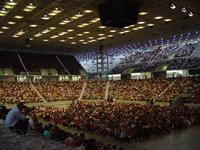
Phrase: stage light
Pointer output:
(173, 6)
(183, 10)
(191, 14)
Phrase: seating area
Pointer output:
(95, 89)
(125, 122)
(13, 92)
(151, 89)
(59, 91)
(174, 64)
(150, 59)
(158, 89)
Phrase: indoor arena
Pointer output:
(99, 74)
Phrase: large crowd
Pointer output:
(95, 89)
(126, 122)
(46, 134)
(158, 89)
(13, 92)
(58, 91)
(149, 59)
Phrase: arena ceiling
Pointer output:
(73, 25)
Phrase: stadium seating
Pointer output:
(59, 91)
(122, 121)
(133, 90)
(13, 92)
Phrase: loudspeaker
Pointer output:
(118, 13)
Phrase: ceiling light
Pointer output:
(5, 28)
(62, 23)
(38, 35)
(11, 3)
(93, 41)
(73, 42)
(56, 11)
(191, 14)
(122, 32)
(15, 36)
(31, 39)
(110, 35)
(54, 36)
(102, 27)
(158, 17)
(10, 22)
(46, 31)
(30, 6)
(8, 6)
(62, 33)
(143, 13)
(135, 29)
(1, 32)
(52, 14)
(52, 28)
(45, 17)
(18, 17)
(2, 14)
(62, 40)
(90, 37)
(112, 31)
(101, 38)
(86, 32)
(79, 15)
(88, 11)
(66, 21)
(70, 30)
(173, 6)
(74, 17)
(70, 37)
(126, 31)
(85, 24)
(45, 40)
(80, 26)
(150, 24)
(3, 11)
(81, 40)
(101, 34)
(84, 42)
(80, 34)
(141, 27)
(141, 22)
(167, 20)
(27, 10)
(33, 25)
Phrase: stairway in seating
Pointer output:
(38, 93)
(165, 90)
(107, 90)
(82, 91)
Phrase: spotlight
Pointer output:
(173, 6)
(183, 10)
(191, 14)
